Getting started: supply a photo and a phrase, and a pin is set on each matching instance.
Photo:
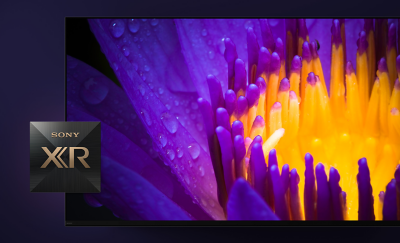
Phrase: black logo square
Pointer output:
(65, 157)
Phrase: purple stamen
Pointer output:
(215, 151)
(336, 191)
(225, 141)
(279, 48)
(312, 79)
(324, 209)
(266, 34)
(392, 37)
(295, 205)
(214, 86)
(284, 85)
(242, 106)
(275, 64)
(296, 65)
(230, 101)
(344, 197)
(313, 49)
(281, 209)
(382, 66)
(258, 122)
(398, 63)
(252, 95)
(223, 119)
(262, 86)
(366, 205)
(240, 153)
(257, 139)
(349, 68)
(303, 32)
(306, 52)
(362, 43)
(264, 60)
(240, 76)
(368, 25)
(258, 170)
(230, 55)
(390, 202)
(335, 30)
(309, 188)
(252, 51)
(272, 159)
(285, 177)
(237, 129)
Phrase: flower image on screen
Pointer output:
(243, 119)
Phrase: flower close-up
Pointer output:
(244, 119)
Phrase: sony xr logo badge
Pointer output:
(65, 157)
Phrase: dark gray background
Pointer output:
(32, 89)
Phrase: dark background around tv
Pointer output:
(32, 89)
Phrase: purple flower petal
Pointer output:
(197, 175)
(203, 46)
(140, 197)
(123, 140)
(245, 204)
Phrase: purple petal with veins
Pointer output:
(124, 135)
(159, 120)
(202, 42)
(245, 204)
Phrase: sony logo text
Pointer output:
(64, 134)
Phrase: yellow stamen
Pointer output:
(363, 82)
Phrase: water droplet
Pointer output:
(179, 152)
(204, 32)
(221, 46)
(133, 25)
(170, 122)
(135, 39)
(171, 154)
(211, 202)
(162, 139)
(187, 179)
(126, 51)
(190, 163)
(201, 170)
(146, 68)
(115, 66)
(273, 22)
(142, 90)
(187, 110)
(143, 141)
(120, 121)
(146, 116)
(211, 54)
(144, 20)
(194, 105)
(248, 24)
(93, 92)
(160, 90)
(154, 22)
(194, 150)
(199, 126)
(203, 202)
(117, 27)
(176, 103)
(168, 107)
(148, 32)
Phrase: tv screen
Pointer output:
(232, 121)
